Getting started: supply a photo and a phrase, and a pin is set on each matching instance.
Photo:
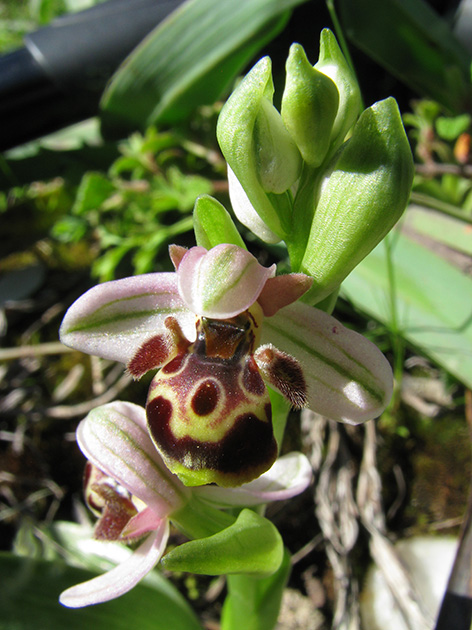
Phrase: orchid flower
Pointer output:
(220, 327)
(135, 496)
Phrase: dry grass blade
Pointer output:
(337, 515)
(382, 550)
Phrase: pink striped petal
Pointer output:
(121, 578)
(348, 378)
(290, 475)
(222, 282)
(114, 319)
(114, 437)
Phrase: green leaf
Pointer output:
(448, 230)
(69, 229)
(433, 301)
(213, 225)
(252, 545)
(190, 59)
(30, 591)
(94, 189)
(254, 603)
(413, 43)
(451, 128)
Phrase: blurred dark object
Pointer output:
(463, 24)
(58, 77)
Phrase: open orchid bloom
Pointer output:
(129, 488)
(219, 328)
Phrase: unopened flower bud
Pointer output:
(278, 160)
(309, 106)
(258, 148)
(361, 200)
(333, 64)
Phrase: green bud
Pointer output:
(257, 147)
(362, 198)
(213, 225)
(278, 160)
(333, 64)
(309, 105)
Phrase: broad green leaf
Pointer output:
(213, 225)
(253, 603)
(190, 59)
(442, 228)
(30, 591)
(413, 43)
(433, 302)
(251, 545)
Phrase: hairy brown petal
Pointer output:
(284, 373)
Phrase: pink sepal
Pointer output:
(114, 437)
(144, 522)
(282, 291)
(121, 578)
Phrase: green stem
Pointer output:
(440, 206)
(302, 216)
(199, 520)
(253, 603)
(397, 340)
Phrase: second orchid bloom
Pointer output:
(219, 329)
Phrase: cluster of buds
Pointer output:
(320, 175)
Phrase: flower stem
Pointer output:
(199, 520)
